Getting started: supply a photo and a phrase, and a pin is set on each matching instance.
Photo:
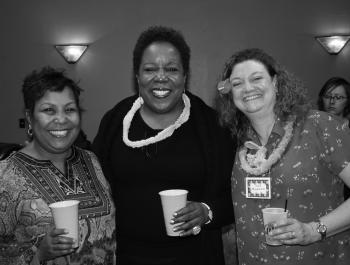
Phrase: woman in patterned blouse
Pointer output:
(304, 156)
(48, 170)
(333, 98)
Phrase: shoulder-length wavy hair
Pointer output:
(291, 101)
(329, 86)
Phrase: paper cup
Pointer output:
(65, 216)
(172, 200)
(271, 216)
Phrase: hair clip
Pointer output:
(224, 86)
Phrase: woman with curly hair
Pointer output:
(286, 152)
(165, 138)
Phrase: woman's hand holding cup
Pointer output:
(55, 244)
(292, 232)
(194, 214)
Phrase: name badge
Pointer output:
(258, 188)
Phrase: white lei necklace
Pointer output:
(257, 164)
(167, 132)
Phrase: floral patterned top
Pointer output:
(306, 175)
(28, 186)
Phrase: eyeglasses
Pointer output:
(335, 97)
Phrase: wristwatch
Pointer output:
(322, 229)
(210, 213)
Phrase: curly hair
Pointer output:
(291, 101)
(36, 83)
(161, 34)
(329, 86)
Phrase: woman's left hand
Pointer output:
(194, 214)
(292, 232)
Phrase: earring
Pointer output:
(30, 131)
(277, 94)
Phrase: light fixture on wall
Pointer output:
(71, 53)
(333, 44)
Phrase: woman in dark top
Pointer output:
(166, 138)
(333, 98)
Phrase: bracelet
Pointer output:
(210, 213)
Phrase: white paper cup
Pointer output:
(271, 216)
(65, 216)
(172, 200)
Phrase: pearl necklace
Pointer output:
(257, 164)
(167, 132)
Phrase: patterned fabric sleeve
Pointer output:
(20, 218)
(332, 138)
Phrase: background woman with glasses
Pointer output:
(333, 98)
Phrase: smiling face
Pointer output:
(253, 89)
(161, 78)
(335, 106)
(55, 122)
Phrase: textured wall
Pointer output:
(214, 30)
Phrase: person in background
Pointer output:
(165, 138)
(51, 169)
(303, 155)
(333, 98)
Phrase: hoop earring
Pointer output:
(30, 131)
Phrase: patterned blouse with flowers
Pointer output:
(306, 175)
(28, 186)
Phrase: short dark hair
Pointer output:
(36, 83)
(292, 99)
(161, 34)
(329, 86)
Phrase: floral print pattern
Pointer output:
(306, 175)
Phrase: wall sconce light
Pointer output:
(333, 44)
(71, 53)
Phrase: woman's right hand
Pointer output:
(55, 244)
(292, 232)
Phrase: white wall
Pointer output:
(213, 29)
